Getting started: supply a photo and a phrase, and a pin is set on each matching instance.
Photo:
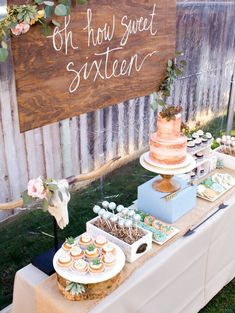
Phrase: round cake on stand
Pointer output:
(168, 154)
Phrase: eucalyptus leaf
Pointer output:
(183, 62)
(46, 30)
(4, 44)
(49, 11)
(45, 204)
(49, 3)
(65, 2)
(161, 102)
(3, 54)
(178, 72)
(56, 23)
(154, 105)
(61, 10)
(179, 53)
(169, 63)
(27, 200)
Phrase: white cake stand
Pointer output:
(167, 183)
(74, 276)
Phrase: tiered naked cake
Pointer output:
(168, 146)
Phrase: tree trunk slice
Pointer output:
(93, 291)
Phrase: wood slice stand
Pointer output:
(93, 291)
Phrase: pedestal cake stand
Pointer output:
(167, 184)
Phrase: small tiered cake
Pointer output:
(168, 146)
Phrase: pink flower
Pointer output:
(36, 188)
(25, 27)
(17, 30)
(20, 28)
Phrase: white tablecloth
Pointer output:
(181, 279)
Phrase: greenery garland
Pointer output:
(174, 69)
(20, 18)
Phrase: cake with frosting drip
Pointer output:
(168, 146)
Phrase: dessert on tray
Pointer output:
(162, 232)
(65, 260)
(76, 252)
(96, 266)
(215, 186)
(85, 240)
(168, 146)
(68, 244)
(84, 259)
(119, 225)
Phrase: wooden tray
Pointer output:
(92, 291)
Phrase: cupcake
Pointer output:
(85, 240)
(100, 241)
(209, 136)
(109, 248)
(76, 252)
(109, 259)
(149, 220)
(200, 132)
(96, 266)
(65, 260)
(81, 266)
(198, 141)
(204, 139)
(191, 144)
(195, 135)
(189, 138)
(91, 252)
(199, 155)
(68, 244)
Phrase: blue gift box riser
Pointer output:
(169, 211)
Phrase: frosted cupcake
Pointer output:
(76, 252)
(109, 248)
(109, 259)
(85, 240)
(91, 252)
(65, 260)
(100, 241)
(96, 266)
(68, 244)
(81, 266)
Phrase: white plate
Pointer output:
(72, 275)
(169, 171)
(176, 166)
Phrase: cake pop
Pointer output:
(105, 204)
(112, 206)
(120, 208)
(96, 209)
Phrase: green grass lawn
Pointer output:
(22, 238)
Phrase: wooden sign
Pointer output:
(103, 53)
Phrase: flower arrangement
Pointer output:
(41, 191)
(174, 69)
(20, 18)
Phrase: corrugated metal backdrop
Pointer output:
(205, 31)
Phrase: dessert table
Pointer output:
(180, 277)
